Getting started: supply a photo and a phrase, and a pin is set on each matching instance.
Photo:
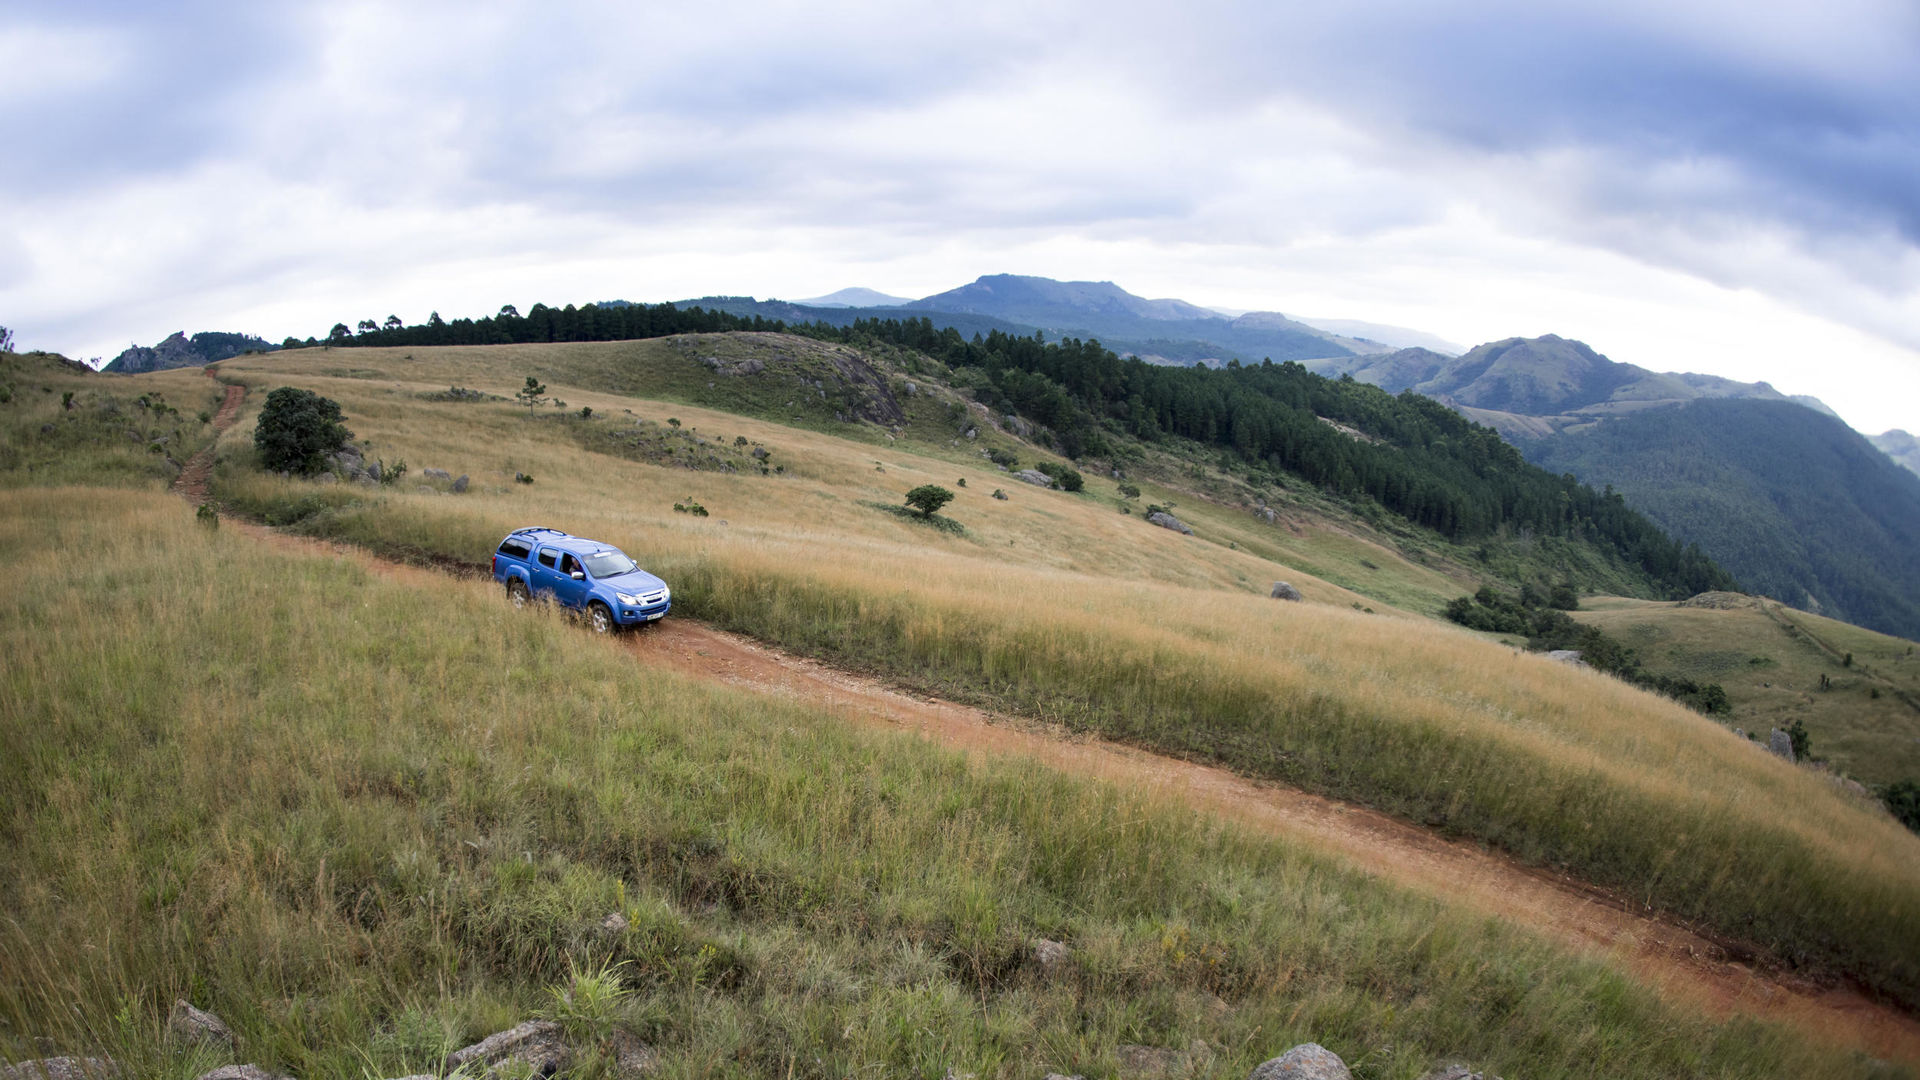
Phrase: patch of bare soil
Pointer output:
(191, 484)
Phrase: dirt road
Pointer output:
(1680, 963)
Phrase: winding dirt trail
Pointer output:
(191, 484)
(1681, 963)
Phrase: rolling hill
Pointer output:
(1903, 448)
(1529, 387)
(1794, 503)
(178, 351)
(367, 812)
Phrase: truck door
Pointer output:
(545, 572)
(568, 591)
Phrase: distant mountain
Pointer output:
(1900, 446)
(179, 351)
(1793, 502)
(1164, 331)
(1531, 387)
(854, 297)
(1397, 337)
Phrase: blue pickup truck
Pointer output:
(585, 575)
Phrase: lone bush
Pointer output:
(297, 430)
(1068, 478)
(1903, 801)
(928, 498)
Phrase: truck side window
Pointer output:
(546, 557)
(568, 564)
(516, 548)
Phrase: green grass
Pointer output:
(1865, 719)
(365, 819)
(1058, 607)
(60, 425)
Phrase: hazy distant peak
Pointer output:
(1900, 446)
(1012, 293)
(855, 297)
(1397, 337)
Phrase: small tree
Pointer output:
(928, 498)
(393, 323)
(532, 394)
(297, 430)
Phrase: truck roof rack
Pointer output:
(531, 529)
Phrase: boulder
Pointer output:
(436, 474)
(1050, 955)
(1035, 477)
(1781, 743)
(192, 1026)
(1267, 515)
(614, 923)
(1284, 591)
(537, 1046)
(1567, 656)
(373, 470)
(1168, 521)
(62, 1068)
(242, 1072)
(998, 494)
(1308, 1061)
(326, 478)
(460, 485)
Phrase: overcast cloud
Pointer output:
(1731, 188)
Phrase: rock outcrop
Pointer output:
(1168, 521)
(1308, 1061)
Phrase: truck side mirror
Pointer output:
(578, 575)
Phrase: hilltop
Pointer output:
(1527, 388)
(178, 351)
(1903, 448)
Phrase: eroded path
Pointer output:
(1682, 964)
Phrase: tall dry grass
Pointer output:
(365, 819)
(1058, 607)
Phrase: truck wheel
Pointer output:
(517, 593)
(600, 618)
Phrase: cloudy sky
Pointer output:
(1727, 187)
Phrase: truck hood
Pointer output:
(633, 581)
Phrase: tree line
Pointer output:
(1413, 456)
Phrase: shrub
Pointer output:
(297, 430)
(1065, 477)
(1903, 802)
(928, 498)
(532, 394)
(1003, 457)
(1128, 491)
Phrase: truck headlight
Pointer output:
(626, 599)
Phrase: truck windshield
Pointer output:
(604, 564)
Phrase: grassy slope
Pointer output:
(1770, 658)
(265, 787)
(108, 436)
(1060, 607)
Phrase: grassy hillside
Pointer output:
(61, 423)
(1795, 504)
(1864, 718)
(368, 818)
(1061, 607)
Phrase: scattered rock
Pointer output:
(1138, 1060)
(1284, 591)
(1050, 955)
(1308, 1061)
(998, 494)
(62, 1068)
(614, 923)
(1567, 656)
(973, 433)
(373, 470)
(537, 1045)
(460, 485)
(1035, 477)
(1168, 521)
(1781, 743)
(912, 390)
(326, 478)
(242, 1072)
(631, 1057)
(190, 1025)
(436, 474)
(1457, 1072)
(1739, 733)
(1267, 515)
